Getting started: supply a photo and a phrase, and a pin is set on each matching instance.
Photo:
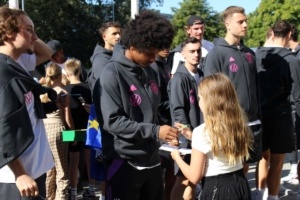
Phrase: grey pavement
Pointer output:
(285, 171)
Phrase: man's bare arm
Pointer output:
(26, 185)
(42, 52)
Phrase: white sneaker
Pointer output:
(290, 178)
(261, 196)
(101, 197)
(285, 191)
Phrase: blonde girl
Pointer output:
(55, 123)
(220, 144)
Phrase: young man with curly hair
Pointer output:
(129, 100)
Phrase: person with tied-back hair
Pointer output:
(25, 155)
(220, 144)
(128, 112)
(292, 176)
(57, 180)
(278, 72)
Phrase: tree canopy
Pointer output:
(268, 12)
(76, 22)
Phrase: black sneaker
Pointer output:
(72, 197)
(89, 195)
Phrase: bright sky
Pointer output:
(218, 5)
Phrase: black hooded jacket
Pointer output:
(279, 76)
(129, 102)
(16, 132)
(297, 51)
(163, 74)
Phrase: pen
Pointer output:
(183, 127)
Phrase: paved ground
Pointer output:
(251, 178)
(285, 171)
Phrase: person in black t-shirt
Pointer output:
(79, 92)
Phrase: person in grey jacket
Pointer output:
(129, 101)
(184, 106)
(110, 35)
(231, 57)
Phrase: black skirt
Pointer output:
(231, 186)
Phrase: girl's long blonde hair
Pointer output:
(225, 122)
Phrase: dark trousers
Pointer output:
(10, 191)
(125, 182)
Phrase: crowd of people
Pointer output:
(227, 105)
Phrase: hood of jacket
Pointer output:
(267, 56)
(119, 56)
(177, 48)
(224, 43)
(182, 69)
(101, 50)
(297, 51)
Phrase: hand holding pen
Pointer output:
(184, 130)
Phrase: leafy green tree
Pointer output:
(3, 2)
(120, 10)
(69, 21)
(268, 12)
(214, 27)
(76, 22)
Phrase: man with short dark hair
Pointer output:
(195, 27)
(231, 57)
(128, 113)
(110, 34)
(184, 107)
